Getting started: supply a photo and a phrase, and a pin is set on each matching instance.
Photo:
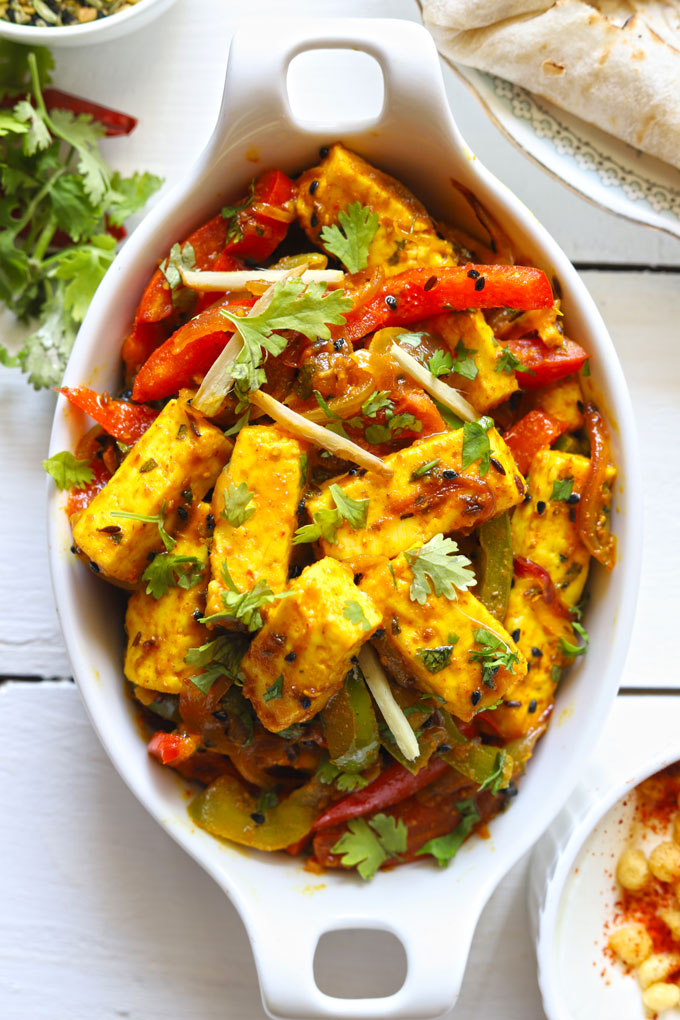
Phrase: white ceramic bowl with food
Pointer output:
(113, 26)
(284, 908)
(572, 896)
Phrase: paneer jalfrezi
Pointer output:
(352, 486)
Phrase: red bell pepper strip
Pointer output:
(171, 748)
(394, 784)
(140, 343)
(121, 419)
(263, 222)
(532, 433)
(115, 122)
(419, 293)
(80, 499)
(592, 522)
(545, 364)
(188, 353)
(527, 568)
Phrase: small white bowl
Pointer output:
(572, 894)
(285, 909)
(102, 30)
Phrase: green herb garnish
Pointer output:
(67, 471)
(368, 844)
(168, 570)
(438, 566)
(351, 240)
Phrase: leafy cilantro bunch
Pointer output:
(58, 199)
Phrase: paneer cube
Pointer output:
(545, 530)
(161, 631)
(302, 654)
(436, 643)
(174, 464)
(562, 400)
(406, 236)
(405, 510)
(537, 627)
(270, 463)
(469, 333)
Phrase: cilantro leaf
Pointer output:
(83, 134)
(350, 242)
(127, 195)
(438, 566)
(328, 773)
(67, 471)
(237, 508)
(445, 848)
(275, 691)
(327, 521)
(508, 363)
(562, 489)
(230, 213)
(180, 257)
(465, 361)
(492, 654)
(244, 606)
(221, 657)
(168, 570)
(378, 401)
(574, 650)
(476, 445)
(83, 267)
(45, 352)
(424, 469)
(410, 339)
(305, 308)
(355, 614)
(435, 659)
(353, 511)
(440, 363)
(158, 519)
(496, 776)
(368, 844)
(37, 136)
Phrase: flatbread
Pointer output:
(615, 63)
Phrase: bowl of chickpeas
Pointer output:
(605, 900)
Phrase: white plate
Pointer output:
(598, 166)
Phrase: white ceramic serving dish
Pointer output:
(284, 908)
(102, 30)
(572, 894)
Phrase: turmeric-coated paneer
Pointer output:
(161, 631)
(537, 627)
(406, 235)
(172, 466)
(414, 504)
(472, 344)
(302, 654)
(545, 529)
(562, 400)
(254, 534)
(437, 644)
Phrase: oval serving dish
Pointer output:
(414, 138)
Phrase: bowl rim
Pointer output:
(37, 35)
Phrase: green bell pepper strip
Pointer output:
(227, 809)
(493, 585)
(476, 762)
(350, 725)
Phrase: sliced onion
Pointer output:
(313, 433)
(344, 406)
(238, 279)
(378, 684)
(442, 392)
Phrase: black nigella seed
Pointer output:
(257, 817)
(338, 344)
(473, 274)
(476, 697)
(357, 578)
(294, 571)
(581, 406)
(93, 567)
(449, 474)
(572, 514)
(301, 505)
(527, 497)
(354, 660)
(537, 652)
(532, 705)
(353, 471)
(313, 186)
(220, 715)
(497, 465)
(187, 495)
(380, 632)
(151, 556)
(182, 513)
(516, 634)
(314, 219)
(391, 302)
(290, 657)
(305, 702)
(443, 748)
(573, 499)
(432, 282)
(512, 704)
(323, 151)
(479, 284)
(540, 507)
(73, 549)
(210, 522)
(197, 614)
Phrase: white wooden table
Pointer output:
(101, 915)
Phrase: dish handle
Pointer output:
(436, 944)
(256, 90)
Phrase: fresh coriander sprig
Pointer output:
(438, 567)
(239, 504)
(368, 844)
(492, 654)
(67, 471)
(351, 240)
(445, 848)
(221, 657)
(169, 570)
(327, 521)
(158, 519)
(244, 606)
(476, 444)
